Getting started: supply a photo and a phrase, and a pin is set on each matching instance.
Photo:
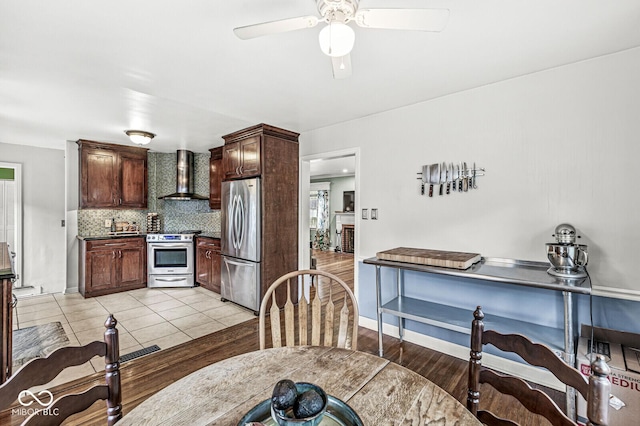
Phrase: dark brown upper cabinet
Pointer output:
(112, 176)
(241, 159)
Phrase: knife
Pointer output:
(465, 179)
(434, 177)
(460, 176)
(456, 174)
(425, 178)
(449, 177)
(474, 177)
(443, 177)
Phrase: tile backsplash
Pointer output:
(174, 215)
(91, 221)
(189, 215)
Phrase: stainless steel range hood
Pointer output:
(184, 179)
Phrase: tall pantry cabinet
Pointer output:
(272, 154)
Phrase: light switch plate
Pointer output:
(107, 223)
(365, 214)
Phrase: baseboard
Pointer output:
(27, 291)
(524, 371)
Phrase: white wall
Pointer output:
(43, 210)
(558, 146)
(72, 185)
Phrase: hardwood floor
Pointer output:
(142, 377)
(338, 264)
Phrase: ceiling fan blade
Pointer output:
(403, 19)
(341, 66)
(274, 27)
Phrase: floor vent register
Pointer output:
(139, 353)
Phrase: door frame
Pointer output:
(304, 253)
(17, 178)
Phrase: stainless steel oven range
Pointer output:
(170, 260)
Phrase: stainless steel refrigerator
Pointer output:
(241, 219)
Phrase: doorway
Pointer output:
(11, 213)
(327, 181)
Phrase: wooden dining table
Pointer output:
(379, 391)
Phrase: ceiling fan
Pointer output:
(337, 37)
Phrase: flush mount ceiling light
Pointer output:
(140, 137)
(336, 39)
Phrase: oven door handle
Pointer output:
(171, 280)
(165, 245)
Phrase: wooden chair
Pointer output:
(42, 370)
(311, 318)
(595, 392)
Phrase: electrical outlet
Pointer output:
(107, 223)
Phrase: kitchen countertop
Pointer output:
(6, 268)
(109, 237)
(215, 235)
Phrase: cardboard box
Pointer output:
(624, 377)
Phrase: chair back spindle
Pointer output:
(328, 317)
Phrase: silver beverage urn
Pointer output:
(567, 258)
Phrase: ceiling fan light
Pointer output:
(140, 137)
(336, 39)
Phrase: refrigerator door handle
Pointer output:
(243, 221)
(228, 223)
(234, 222)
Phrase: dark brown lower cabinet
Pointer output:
(112, 265)
(208, 263)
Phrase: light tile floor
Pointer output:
(148, 316)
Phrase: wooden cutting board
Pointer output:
(447, 259)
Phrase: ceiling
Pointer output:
(327, 168)
(73, 69)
